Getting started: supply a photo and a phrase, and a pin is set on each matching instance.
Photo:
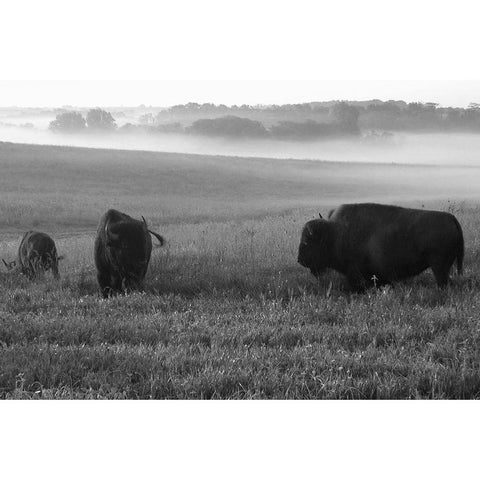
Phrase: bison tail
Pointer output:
(158, 237)
(460, 248)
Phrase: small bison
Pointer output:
(37, 254)
(122, 252)
(376, 244)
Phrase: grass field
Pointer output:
(227, 311)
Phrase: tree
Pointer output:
(228, 126)
(346, 116)
(98, 119)
(68, 122)
(147, 119)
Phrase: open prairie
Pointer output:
(227, 311)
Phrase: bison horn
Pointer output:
(10, 265)
(320, 215)
(144, 222)
(159, 237)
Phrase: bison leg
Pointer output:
(117, 283)
(54, 266)
(442, 273)
(104, 283)
(356, 280)
(56, 275)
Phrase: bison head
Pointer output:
(316, 246)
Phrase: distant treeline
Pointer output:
(310, 120)
(371, 114)
(74, 122)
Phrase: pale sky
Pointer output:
(162, 53)
(42, 93)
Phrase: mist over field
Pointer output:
(458, 149)
(370, 132)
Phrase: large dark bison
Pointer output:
(122, 252)
(37, 253)
(376, 244)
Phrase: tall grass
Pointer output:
(228, 313)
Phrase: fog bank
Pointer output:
(431, 149)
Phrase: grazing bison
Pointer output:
(122, 251)
(376, 244)
(37, 254)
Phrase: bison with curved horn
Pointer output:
(375, 244)
(122, 250)
(37, 254)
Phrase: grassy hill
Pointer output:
(69, 188)
(227, 312)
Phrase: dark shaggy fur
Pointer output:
(122, 252)
(376, 244)
(37, 253)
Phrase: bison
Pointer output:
(122, 252)
(375, 244)
(37, 253)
